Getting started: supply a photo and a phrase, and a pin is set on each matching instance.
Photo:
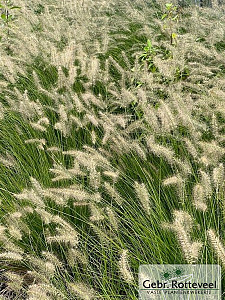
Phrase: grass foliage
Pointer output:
(112, 122)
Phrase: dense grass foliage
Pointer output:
(112, 121)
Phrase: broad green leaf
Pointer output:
(3, 16)
(174, 35)
(149, 43)
(164, 16)
(15, 7)
(169, 5)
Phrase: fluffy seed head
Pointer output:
(125, 268)
(83, 291)
(143, 196)
(217, 245)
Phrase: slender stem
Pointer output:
(7, 22)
